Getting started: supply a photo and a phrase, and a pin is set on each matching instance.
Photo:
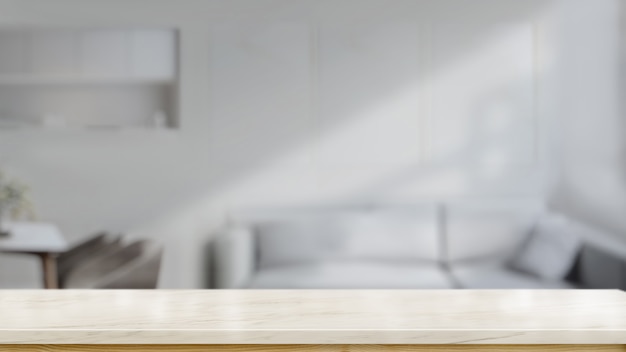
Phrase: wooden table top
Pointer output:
(313, 317)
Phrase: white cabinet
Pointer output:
(12, 52)
(51, 53)
(150, 54)
(88, 77)
(104, 53)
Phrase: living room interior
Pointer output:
(366, 144)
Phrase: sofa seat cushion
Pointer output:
(353, 275)
(491, 275)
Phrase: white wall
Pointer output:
(297, 101)
(592, 178)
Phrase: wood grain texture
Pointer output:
(312, 317)
(312, 348)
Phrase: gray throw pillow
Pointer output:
(550, 250)
(298, 241)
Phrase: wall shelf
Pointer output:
(103, 79)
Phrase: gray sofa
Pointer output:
(485, 244)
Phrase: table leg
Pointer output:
(49, 265)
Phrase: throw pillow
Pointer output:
(550, 250)
(288, 242)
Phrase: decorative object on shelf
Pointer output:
(159, 119)
(14, 202)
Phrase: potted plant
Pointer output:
(14, 202)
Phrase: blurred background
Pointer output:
(312, 144)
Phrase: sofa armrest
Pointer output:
(233, 258)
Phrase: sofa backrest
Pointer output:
(401, 233)
(487, 229)
(452, 231)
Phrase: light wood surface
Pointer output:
(312, 348)
(466, 317)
